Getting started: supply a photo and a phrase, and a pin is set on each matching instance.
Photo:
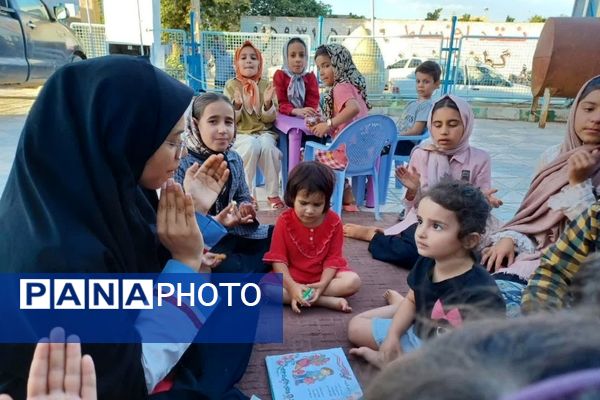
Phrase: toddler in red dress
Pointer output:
(307, 243)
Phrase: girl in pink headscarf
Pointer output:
(563, 187)
(448, 153)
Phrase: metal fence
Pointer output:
(388, 62)
(174, 42)
(488, 68)
(92, 38)
(218, 48)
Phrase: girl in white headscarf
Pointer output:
(297, 90)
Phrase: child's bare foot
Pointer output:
(360, 232)
(334, 303)
(371, 356)
(392, 297)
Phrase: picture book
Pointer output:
(320, 374)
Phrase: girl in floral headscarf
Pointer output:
(344, 102)
(346, 98)
(255, 112)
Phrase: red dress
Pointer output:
(307, 251)
(281, 80)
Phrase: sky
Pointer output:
(497, 10)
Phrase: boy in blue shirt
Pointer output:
(414, 117)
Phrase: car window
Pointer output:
(479, 75)
(34, 7)
(459, 79)
(398, 64)
(414, 63)
(4, 3)
(493, 78)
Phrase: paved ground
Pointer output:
(514, 147)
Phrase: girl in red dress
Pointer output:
(307, 243)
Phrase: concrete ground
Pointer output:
(514, 147)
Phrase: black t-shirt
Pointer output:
(473, 290)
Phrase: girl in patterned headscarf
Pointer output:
(255, 112)
(344, 102)
(346, 99)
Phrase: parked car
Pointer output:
(471, 81)
(33, 41)
(404, 69)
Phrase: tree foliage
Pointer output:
(217, 15)
(433, 16)
(509, 19)
(465, 17)
(290, 8)
(175, 14)
(223, 15)
(537, 18)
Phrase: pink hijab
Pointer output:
(438, 164)
(534, 217)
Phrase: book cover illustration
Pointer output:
(321, 374)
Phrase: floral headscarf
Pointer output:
(345, 71)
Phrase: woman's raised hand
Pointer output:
(205, 182)
(59, 372)
(177, 227)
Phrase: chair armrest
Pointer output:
(411, 137)
(309, 150)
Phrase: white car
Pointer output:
(404, 69)
(471, 81)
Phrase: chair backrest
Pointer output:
(364, 139)
(583, 384)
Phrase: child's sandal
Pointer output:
(276, 203)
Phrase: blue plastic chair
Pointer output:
(364, 140)
(386, 163)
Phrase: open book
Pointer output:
(320, 374)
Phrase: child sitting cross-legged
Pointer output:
(446, 283)
(307, 243)
(449, 153)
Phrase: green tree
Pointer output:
(433, 16)
(509, 19)
(175, 14)
(537, 18)
(465, 17)
(290, 8)
(217, 15)
(223, 15)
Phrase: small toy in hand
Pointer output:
(219, 257)
(308, 293)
